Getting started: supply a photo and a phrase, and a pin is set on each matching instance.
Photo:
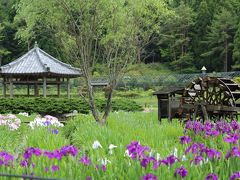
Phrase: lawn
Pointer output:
(82, 149)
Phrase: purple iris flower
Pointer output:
(195, 148)
(147, 160)
(33, 165)
(85, 160)
(47, 123)
(88, 178)
(195, 126)
(234, 152)
(197, 160)
(211, 176)
(104, 168)
(156, 164)
(57, 154)
(223, 127)
(24, 163)
(144, 162)
(30, 151)
(232, 138)
(55, 168)
(55, 131)
(170, 160)
(37, 151)
(48, 154)
(101, 167)
(65, 150)
(209, 125)
(5, 158)
(136, 150)
(149, 177)
(235, 176)
(235, 126)
(181, 171)
(212, 153)
(185, 139)
(212, 132)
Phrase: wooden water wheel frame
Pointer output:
(215, 97)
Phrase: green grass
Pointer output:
(123, 127)
(147, 102)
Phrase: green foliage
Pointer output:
(236, 50)
(150, 69)
(48, 141)
(10, 139)
(220, 39)
(184, 35)
(58, 106)
(9, 46)
(176, 37)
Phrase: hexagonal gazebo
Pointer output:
(37, 68)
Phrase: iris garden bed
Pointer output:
(130, 146)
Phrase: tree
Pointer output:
(91, 31)
(3, 50)
(9, 46)
(236, 43)
(203, 20)
(176, 37)
(147, 17)
(219, 39)
(236, 50)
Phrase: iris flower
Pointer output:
(181, 172)
(96, 145)
(211, 176)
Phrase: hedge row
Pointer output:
(57, 106)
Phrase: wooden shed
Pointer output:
(169, 101)
(37, 68)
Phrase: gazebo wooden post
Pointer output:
(4, 87)
(58, 87)
(68, 88)
(36, 93)
(28, 89)
(44, 86)
(11, 87)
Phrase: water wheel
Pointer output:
(213, 96)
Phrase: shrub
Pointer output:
(57, 106)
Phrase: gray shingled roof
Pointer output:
(36, 61)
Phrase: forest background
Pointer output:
(179, 35)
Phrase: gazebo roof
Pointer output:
(38, 62)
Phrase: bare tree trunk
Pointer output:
(92, 102)
(108, 106)
(139, 55)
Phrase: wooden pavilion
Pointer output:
(37, 68)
